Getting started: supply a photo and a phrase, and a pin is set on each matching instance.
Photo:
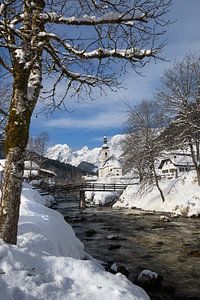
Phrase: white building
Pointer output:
(109, 164)
(176, 165)
(31, 169)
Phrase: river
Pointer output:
(172, 249)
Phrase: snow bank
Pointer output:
(100, 198)
(104, 198)
(49, 262)
(182, 196)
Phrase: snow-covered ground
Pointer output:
(105, 198)
(101, 198)
(182, 196)
(64, 153)
(49, 262)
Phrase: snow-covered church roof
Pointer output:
(112, 161)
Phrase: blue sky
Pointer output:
(89, 121)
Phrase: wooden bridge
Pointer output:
(97, 187)
(84, 187)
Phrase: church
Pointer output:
(109, 164)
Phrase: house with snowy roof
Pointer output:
(175, 165)
(109, 164)
(33, 171)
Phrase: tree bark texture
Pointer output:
(11, 192)
(26, 89)
(16, 140)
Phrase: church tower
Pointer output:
(104, 150)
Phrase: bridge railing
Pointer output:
(101, 187)
(93, 187)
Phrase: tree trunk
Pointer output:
(195, 161)
(26, 89)
(141, 176)
(11, 192)
(16, 139)
(198, 174)
(157, 183)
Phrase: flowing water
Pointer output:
(172, 249)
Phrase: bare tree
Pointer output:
(133, 158)
(142, 145)
(180, 95)
(76, 44)
(39, 143)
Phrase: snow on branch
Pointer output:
(108, 18)
(133, 54)
(75, 76)
(2, 7)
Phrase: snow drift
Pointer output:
(49, 262)
(182, 196)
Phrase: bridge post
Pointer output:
(82, 199)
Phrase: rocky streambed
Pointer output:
(131, 241)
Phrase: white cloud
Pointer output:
(100, 121)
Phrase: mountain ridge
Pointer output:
(65, 154)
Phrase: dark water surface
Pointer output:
(172, 249)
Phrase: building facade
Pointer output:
(176, 165)
(109, 164)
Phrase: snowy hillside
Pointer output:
(181, 196)
(65, 154)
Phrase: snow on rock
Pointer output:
(59, 152)
(29, 193)
(147, 274)
(149, 280)
(65, 154)
(100, 198)
(49, 262)
(182, 196)
(104, 198)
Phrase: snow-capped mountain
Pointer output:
(64, 153)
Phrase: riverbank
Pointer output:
(49, 262)
(182, 196)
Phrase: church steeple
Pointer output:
(105, 145)
(104, 150)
